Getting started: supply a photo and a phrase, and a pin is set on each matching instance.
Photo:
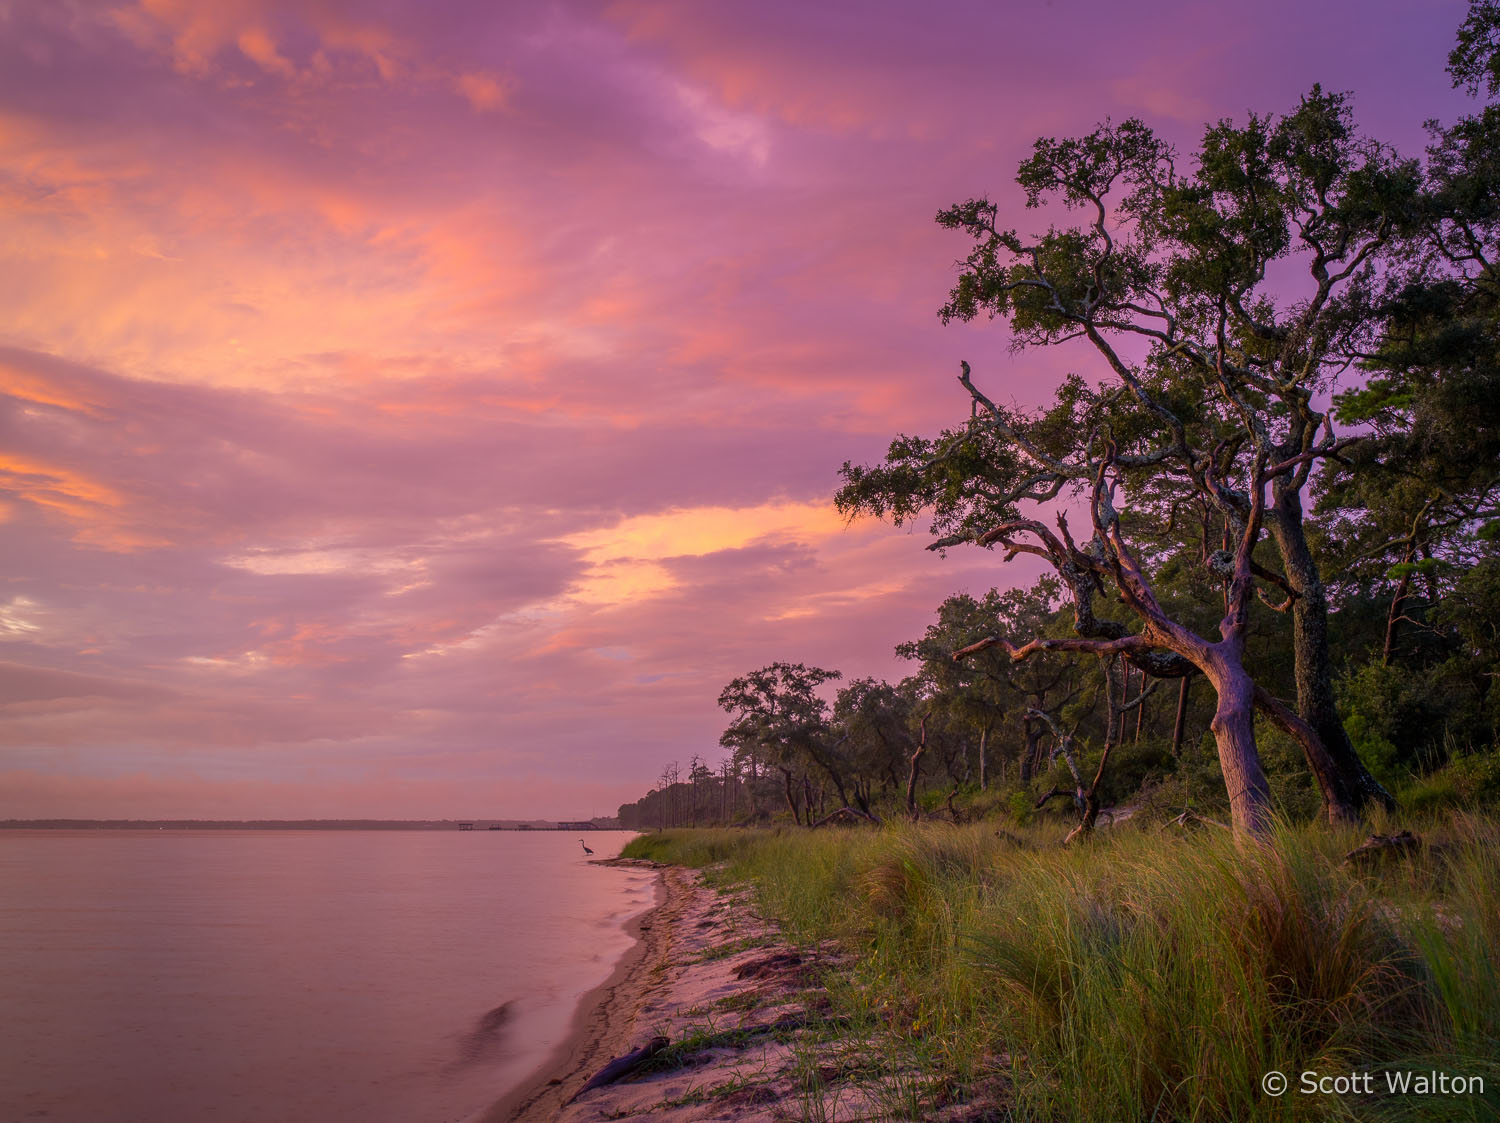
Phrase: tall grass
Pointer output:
(1144, 975)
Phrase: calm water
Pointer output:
(294, 976)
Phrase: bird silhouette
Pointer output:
(585, 846)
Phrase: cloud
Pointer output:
(626, 561)
(410, 407)
(485, 92)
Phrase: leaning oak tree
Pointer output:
(1207, 403)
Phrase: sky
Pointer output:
(422, 410)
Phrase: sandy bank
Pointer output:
(741, 1009)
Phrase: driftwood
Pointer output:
(741, 1036)
(1380, 848)
(1190, 818)
(621, 1067)
(846, 815)
(777, 961)
(1055, 792)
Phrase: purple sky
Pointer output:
(422, 410)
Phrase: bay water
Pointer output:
(264, 976)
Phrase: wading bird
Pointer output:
(585, 846)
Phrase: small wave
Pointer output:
(483, 1040)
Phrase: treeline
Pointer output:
(1269, 500)
(700, 797)
(963, 737)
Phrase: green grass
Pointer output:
(1143, 975)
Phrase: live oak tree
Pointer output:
(1206, 404)
(780, 720)
(876, 722)
(988, 690)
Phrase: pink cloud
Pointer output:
(379, 380)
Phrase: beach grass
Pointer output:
(1145, 974)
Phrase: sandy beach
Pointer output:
(736, 1003)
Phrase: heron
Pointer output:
(585, 846)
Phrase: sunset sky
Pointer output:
(423, 409)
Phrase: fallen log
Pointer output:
(621, 1067)
(848, 814)
(1380, 848)
(1190, 818)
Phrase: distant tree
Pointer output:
(873, 719)
(989, 688)
(779, 719)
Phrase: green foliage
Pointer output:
(1472, 609)
(1407, 719)
(1472, 780)
(1394, 721)
(959, 480)
(1475, 61)
(1021, 806)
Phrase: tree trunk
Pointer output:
(1351, 788)
(1318, 758)
(1062, 746)
(1028, 753)
(1091, 801)
(915, 768)
(1124, 694)
(862, 797)
(1090, 809)
(1181, 722)
(791, 799)
(1234, 732)
(984, 732)
(838, 780)
(1394, 615)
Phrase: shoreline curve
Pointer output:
(605, 1015)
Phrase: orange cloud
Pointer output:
(485, 92)
(97, 510)
(256, 44)
(625, 560)
(30, 386)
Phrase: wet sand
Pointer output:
(733, 999)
